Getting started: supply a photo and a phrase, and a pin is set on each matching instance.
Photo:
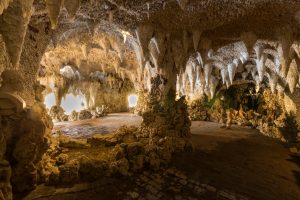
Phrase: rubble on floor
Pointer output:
(120, 153)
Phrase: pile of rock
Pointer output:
(57, 114)
(73, 116)
(84, 114)
(120, 153)
(198, 110)
(100, 112)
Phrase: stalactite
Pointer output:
(261, 67)
(207, 73)
(204, 46)
(53, 7)
(144, 34)
(273, 80)
(185, 41)
(196, 39)
(249, 40)
(244, 75)
(257, 82)
(178, 53)
(277, 64)
(191, 73)
(286, 41)
(148, 10)
(117, 48)
(213, 85)
(125, 34)
(182, 3)
(231, 71)
(200, 60)
(253, 72)
(13, 27)
(154, 52)
(72, 6)
(249, 68)
(244, 57)
(184, 76)
(293, 76)
(224, 75)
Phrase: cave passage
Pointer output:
(146, 100)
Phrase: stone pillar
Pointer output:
(165, 116)
(25, 132)
(10, 108)
(141, 103)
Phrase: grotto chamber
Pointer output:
(156, 99)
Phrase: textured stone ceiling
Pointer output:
(221, 41)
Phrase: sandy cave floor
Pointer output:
(238, 163)
(104, 125)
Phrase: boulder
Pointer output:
(69, 172)
(120, 166)
(92, 169)
(84, 114)
(135, 148)
(73, 116)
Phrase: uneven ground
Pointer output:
(227, 164)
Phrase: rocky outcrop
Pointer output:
(166, 117)
(5, 185)
(265, 111)
(23, 142)
(58, 114)
(119, 153)
(84, 114)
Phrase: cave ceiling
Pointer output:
(221, 41)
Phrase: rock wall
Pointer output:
(274, 115)
(23, 133)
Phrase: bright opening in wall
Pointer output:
(132, 100)
(72, 102)
(69, 103)
(50, 100)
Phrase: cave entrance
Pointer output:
(69, 103)
(83, 104)
(132, 100)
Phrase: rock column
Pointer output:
(165, 116)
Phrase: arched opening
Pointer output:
(132, 100)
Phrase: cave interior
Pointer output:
(149, 99)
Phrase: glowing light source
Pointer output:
(72, 102)
(50, 100)
(132, 100)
